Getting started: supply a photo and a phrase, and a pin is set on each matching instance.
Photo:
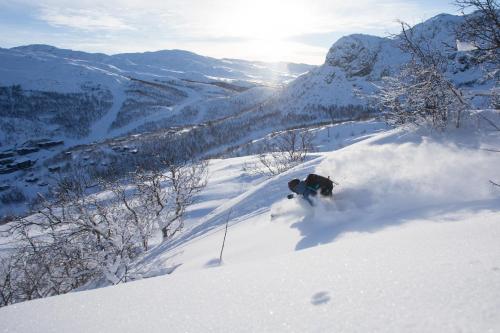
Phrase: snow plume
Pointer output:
(388, 184)
(404, 177)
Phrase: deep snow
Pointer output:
(410, 243)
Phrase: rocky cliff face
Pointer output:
(356, 55)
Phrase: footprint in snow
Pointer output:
(320, 298)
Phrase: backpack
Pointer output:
(316, 182)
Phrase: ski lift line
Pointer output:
(494, 184)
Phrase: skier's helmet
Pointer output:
(293, 183)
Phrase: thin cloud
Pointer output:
(83, 19)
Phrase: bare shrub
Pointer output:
(482, 30)
(185, 179)
(286, 151)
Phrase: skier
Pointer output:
(310, 187)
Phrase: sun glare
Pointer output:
(266, 26)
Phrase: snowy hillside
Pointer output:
(408, 243)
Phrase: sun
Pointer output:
(266, 27)
(270, 20)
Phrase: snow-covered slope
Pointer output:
(409, 243)
(439, 275)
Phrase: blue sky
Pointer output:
(269, 30)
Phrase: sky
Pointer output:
(267, 30)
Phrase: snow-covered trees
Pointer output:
(13, 195)
(77, 238)
(34, 110)
(163, 194)
(421, 92)
(185, 180)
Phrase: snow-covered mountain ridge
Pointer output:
(160, 64)
(353, 69)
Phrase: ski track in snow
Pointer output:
(193, 97)
(101, 128)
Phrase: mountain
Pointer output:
(158, 64)
(122, 93)
(356, 64)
